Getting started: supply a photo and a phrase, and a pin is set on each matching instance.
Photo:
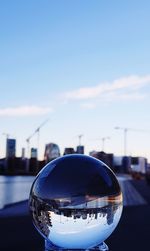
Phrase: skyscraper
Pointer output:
(10, 148)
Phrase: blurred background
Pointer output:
(74, 78)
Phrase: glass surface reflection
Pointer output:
(76, 202)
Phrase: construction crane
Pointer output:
(103, 139)
(37, 131)
(80, 136)
(125, 131)
(103, 142)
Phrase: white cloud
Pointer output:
(86, 92)
(88, 105)
(132, 96)
(24, 111)
(125, 87)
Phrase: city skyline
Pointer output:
(84, 65)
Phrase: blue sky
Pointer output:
(83, 64)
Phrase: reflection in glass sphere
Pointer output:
(75, 202)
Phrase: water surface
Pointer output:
(14, 189)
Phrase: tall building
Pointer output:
(10, 148)
(52, 151)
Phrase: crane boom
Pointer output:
(37, 130)
(125, 130)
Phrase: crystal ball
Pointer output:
(75, 202)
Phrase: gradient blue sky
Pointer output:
(83, 64)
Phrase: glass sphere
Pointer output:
(75, 202)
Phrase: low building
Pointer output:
(69, 150)
(80, 149)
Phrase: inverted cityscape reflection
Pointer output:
(76, 202)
